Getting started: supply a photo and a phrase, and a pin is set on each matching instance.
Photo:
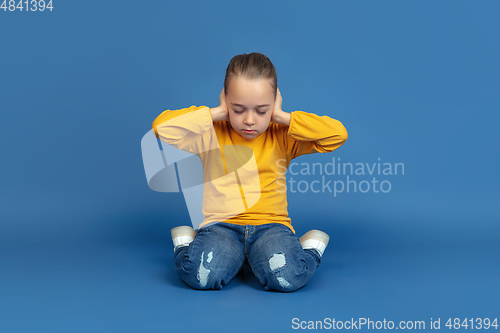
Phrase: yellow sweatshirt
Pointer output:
(244, 180)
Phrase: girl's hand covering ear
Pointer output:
(221, 112)
(277, 116)
(222, 102)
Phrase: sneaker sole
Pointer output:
(316, 235)
(182, 231)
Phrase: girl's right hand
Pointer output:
(221, 112)
(223, 105)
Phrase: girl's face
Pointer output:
(250, 106)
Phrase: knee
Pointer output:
(201, 274)
(281, 275)
(203, 279)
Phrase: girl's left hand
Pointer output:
(277, 107)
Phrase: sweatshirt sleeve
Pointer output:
(309, 133)
(190, 129)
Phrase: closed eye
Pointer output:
(238, 112)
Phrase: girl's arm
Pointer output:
(219, 113)
(173, 125)
(190, 129)
(308, 133)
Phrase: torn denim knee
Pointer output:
(203, 271)
(277, 263)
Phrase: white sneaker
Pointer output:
(182, 236)
(315, 239)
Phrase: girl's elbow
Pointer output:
(341, 134)
(344, 135)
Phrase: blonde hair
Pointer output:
(253, 65)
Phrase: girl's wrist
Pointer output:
(282, 118)
(217, 113)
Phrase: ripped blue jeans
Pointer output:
(272, 250)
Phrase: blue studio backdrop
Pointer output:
(85, 244)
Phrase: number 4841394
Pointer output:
(28, 5)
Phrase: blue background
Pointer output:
(85, 244)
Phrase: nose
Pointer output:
(249, 119)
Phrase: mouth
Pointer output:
(249, 131)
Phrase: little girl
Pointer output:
(243, 145)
